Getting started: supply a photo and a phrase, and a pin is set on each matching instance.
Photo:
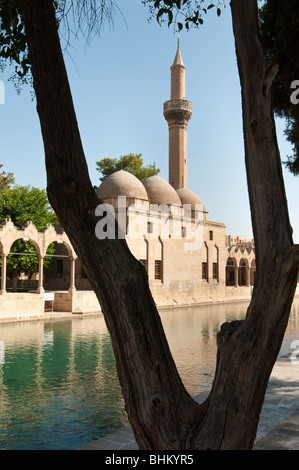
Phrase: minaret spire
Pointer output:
(177, 112)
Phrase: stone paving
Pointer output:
(279, 421)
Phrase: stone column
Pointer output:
(236, 276)
(73, 273)
(3, 274)
(40, 287)
(248, 275)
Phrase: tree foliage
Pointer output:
(182, 13)
(13, 44)
(73, 17)
(6, 179)
(133, 163)
(21, 204)
(24, 203)
(279, 30)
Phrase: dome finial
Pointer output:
(178, 40)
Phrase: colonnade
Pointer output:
(41, 240)
(240, 272)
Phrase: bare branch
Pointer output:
(86, 17)
(270, 74)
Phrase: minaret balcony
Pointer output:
(174, 108)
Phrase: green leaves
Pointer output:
(164, 11)
(6, 179)
(280, 40)
(182, 12)
(23, 203)
(13, 45)
(133, 163)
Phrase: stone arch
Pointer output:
(243, 272)
(59, 275)
(230, 271)
(159, 261)
(205, 262)
(19, 275)
(143, 255)
(252, 272)
(21, 236)
(60, 241)
(214, 254)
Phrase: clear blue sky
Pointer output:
(119, 84)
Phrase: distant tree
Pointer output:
(279, 33)
(133, 163)
(6, 179)
(21, 204)
(24, 203)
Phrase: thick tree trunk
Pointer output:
(158, 406)
(161, 412)
(247, 351)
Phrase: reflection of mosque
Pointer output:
(216, 267)
(54, 374)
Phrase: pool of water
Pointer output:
(58, 383)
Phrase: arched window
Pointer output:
(242, 273)
(22, 266)
(230, 272)
(58, 276)
(204, 266)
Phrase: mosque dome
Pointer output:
(188, 197)
(122, 183)
(160, 192)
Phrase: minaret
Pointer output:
(177, 113)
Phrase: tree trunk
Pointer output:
(15, 278)
(161, 412)
(247, 350)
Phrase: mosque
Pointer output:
(188, 258)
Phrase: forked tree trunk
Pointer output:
(161, 412)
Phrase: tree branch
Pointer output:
(270, 74)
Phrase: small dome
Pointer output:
(188, 197)
(160, 192)
(121, 183)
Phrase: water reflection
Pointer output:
(58, 383)
(191, 334)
